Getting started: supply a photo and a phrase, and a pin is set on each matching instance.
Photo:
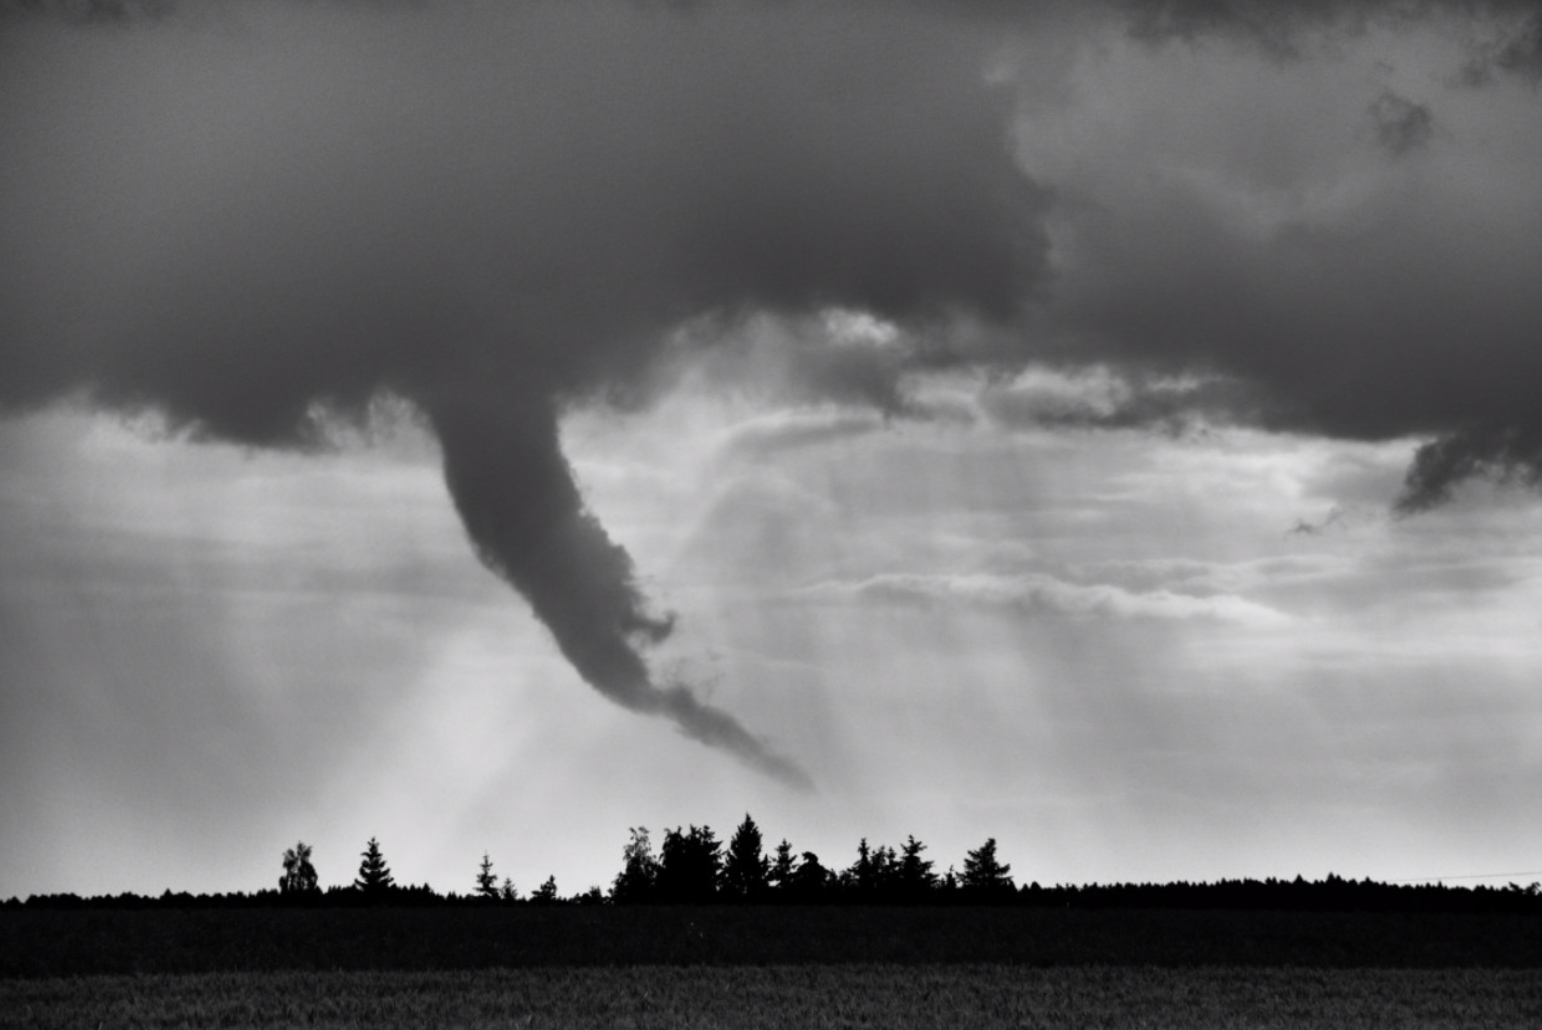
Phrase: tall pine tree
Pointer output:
(983, 874)
(916, 878)
(745, 870)
(374, 880)
(487, 883)
(783, 868)
(861, 875)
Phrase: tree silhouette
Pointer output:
(916, 878)
(546, 893)
(983, 874)
(783, 866)
(859, 875)
(374, 878)
(299, 875)
(745, 871)
(689, 865)
(810, 880)
(507, 891)
(487, 883)
(875, 873)
(885, 871)
(639, 869)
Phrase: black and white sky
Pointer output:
(1109, 427)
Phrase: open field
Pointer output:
(782, 996)
(527, 966)
(37, 944)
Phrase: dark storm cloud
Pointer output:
(1401, 125)
(1509, 453)
(1418, 325)
(1279, 24)
(342, 203)
(1422, 324)
(1418, 321)
(255, 218)
(1285, 29)
(1519, 52)
(1511, 42)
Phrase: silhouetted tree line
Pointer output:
(692, 867)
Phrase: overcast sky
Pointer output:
(1109, 428)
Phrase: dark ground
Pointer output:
(43, 943)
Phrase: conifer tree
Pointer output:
(745, 870)
(546, 893)
(860, 874)
(487, 883)
(507, 891)
(915, 873)
(886, 871)
(983, 874)
(783, 868)
(374, 878)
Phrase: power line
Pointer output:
(1466, 876)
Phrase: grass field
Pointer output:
(39, 944)
(528, 966)
(790, 996)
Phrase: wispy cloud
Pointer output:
(794, 430)
(1040, 594)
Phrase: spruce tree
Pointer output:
(915, 873)
(886, 871)
(783, 868)
(487, 883)
(983, 874)
(860, 875)
(374, 878)
(745, 870)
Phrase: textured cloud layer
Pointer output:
(256, 218)
(1349, 231)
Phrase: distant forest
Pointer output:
(692, 867)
